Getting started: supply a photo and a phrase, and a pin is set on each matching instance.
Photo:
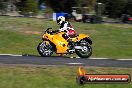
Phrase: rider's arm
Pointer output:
(53, 31)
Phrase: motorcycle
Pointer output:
(53, 41)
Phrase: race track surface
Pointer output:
(36, 60)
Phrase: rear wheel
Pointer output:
(45, 49)
(85, 52)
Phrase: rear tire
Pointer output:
(86, 50)
(45, 50)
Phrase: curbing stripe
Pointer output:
(102, 58)
(91, 58)
(124, 59)
(98, 58)
(74, 63)
(74, 57)
(9, 55)
(16, 55)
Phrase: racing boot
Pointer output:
(71, 46)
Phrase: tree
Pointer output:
(66, 5)
(3, 6)
(114, 8)
(128, 8)
(28, 6)
(86, 3)
(61, 5)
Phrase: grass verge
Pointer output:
(53, 77)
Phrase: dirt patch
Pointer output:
(32, 32)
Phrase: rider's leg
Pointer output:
(68, 39)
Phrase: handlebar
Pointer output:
(51, 32)
(47, 29)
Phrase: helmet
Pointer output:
(60, 19)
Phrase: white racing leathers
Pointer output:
(65, 27)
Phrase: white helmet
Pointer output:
(60, 19)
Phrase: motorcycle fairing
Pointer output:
(60, 43)
(79, 37)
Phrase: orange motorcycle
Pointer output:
(53, 41)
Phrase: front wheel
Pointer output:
(45, 49)
(85, 52)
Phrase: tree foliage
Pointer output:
(61, 5)
(3, 4)
(28, 6)
(114, 8)
(66, 5)
(128, 8)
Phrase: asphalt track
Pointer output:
(55, 60)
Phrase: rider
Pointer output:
(66, 27)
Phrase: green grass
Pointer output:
(17, 43)
(53, 77)
(109, 40)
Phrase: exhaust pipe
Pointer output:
(78, 47)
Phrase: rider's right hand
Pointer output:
(50, 31)
(55, 31)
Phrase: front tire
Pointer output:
(85, 52)
(45, 49)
